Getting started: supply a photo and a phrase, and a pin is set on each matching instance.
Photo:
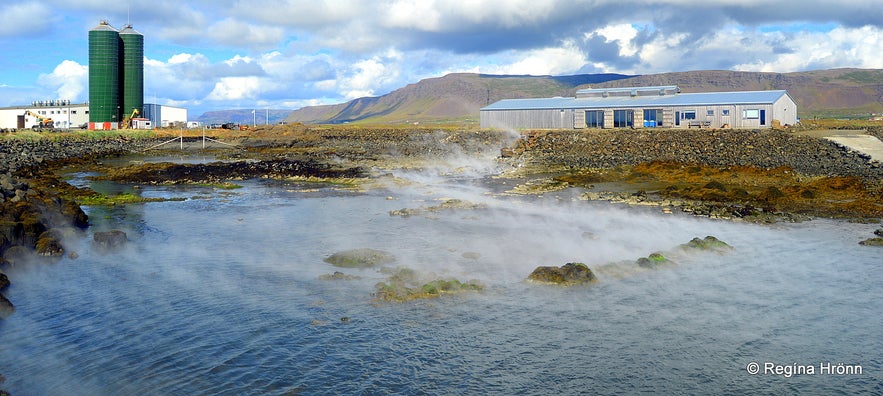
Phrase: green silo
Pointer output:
(132, 66)
(104, 73)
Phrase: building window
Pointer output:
(688, 115)
(623, 118)
(710, 113)
(73, 112)
(594, 119)
(725, 112)
(652, 118)
(751, 113)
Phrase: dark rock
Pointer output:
(566, 275)
(872, 242)
(4, 281)
(109, 240)
(6, 307)
(879, 232)
(49, 243)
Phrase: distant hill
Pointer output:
(457, 98)
(452, 98)
(241, 116)
(834, 92)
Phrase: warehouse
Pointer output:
(62, 114)
(644, 107)
(45, 114)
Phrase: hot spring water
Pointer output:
(221, 294)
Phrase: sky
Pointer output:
(286, 54)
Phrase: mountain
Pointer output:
(452, 98)
(457, 98)
(833, 92)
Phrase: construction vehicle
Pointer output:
(42, 122)
(127, 121)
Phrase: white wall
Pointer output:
(64, 117)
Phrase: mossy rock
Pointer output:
(404, 284)
(566, 275)
(872, 242)
(360, 258)
(337, 275)
(708, 243)
(716, 185)
(771, 194)
(653, 260)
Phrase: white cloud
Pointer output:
(565, 59)
(26, 18)
(840, 47)
(69, 80)
(367, 75)
(238, 33)
(235, 88)
(623, 34)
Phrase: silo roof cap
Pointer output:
(129, 30)
(104, 26)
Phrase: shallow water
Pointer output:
(220, 294)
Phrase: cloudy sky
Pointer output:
(286, 54)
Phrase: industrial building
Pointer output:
(644, 107)
(116, 76)
(62, 114)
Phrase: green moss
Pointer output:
(709, 243)
(403, 284)
(360, 258)
(119, 199)
(221, 186)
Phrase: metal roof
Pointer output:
(629, 89)
(684, 99)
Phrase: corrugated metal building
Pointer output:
(644, 107)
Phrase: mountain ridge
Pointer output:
(457, 97)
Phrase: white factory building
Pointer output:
(62, 114)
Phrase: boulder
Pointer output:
(109, 240)
(872, 242)
(708, 243)
(566, 275)
(652, 261)
(360, 258)
(49, 243)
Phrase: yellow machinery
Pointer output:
(127, 122)
(42, 122)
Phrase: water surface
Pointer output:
(220, 294)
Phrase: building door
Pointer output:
(20, 124)
(762, 117)
(678, 118)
